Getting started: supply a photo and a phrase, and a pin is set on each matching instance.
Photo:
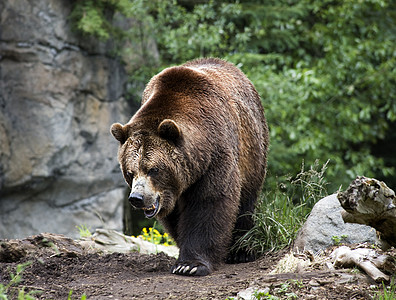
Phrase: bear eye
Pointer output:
(152, 171)
(129, 176)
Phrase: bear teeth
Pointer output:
(152, 210)
(149, 208)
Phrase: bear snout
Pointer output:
(143, 196)
(136, 200)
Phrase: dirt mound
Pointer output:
(60, 265)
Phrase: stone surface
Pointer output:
(102, 241)
(324, 222)
(114, 241)
(59, 94)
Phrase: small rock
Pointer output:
(313, 282)
(251, 291)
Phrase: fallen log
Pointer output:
(371, 202)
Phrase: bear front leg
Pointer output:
(204, 233)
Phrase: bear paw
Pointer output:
(241, 256)
(190, 269)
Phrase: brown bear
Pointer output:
(194, 156)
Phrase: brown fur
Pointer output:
(199, 143)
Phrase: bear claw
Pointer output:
(190, 270)
(240, 257)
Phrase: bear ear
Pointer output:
(117, 130)
(169, 130)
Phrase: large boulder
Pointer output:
(59, 94)
(325, 227)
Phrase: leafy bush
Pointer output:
(325, 69)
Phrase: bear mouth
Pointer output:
(152, 211)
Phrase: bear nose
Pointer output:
(136, 200)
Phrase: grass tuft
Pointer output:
(388, 292)
(280, 214)
(84, 231)
(12, 290)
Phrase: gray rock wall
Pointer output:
(59, 94)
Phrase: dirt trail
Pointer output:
(59, 266)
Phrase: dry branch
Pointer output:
(369, 201)
(367, 259)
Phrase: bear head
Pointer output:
(150, 163)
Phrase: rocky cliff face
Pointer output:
(59, 94)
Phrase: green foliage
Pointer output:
(338, 239)
(95, 17)
(11, 288)
(209, 29)
(69, 297)
(84, 231)
(326, 74)
(263, 295)
(282, 292)
(281, 213)
(152, 235)
(388, 292)
(325, 69)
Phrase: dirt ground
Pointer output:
(59, 265)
